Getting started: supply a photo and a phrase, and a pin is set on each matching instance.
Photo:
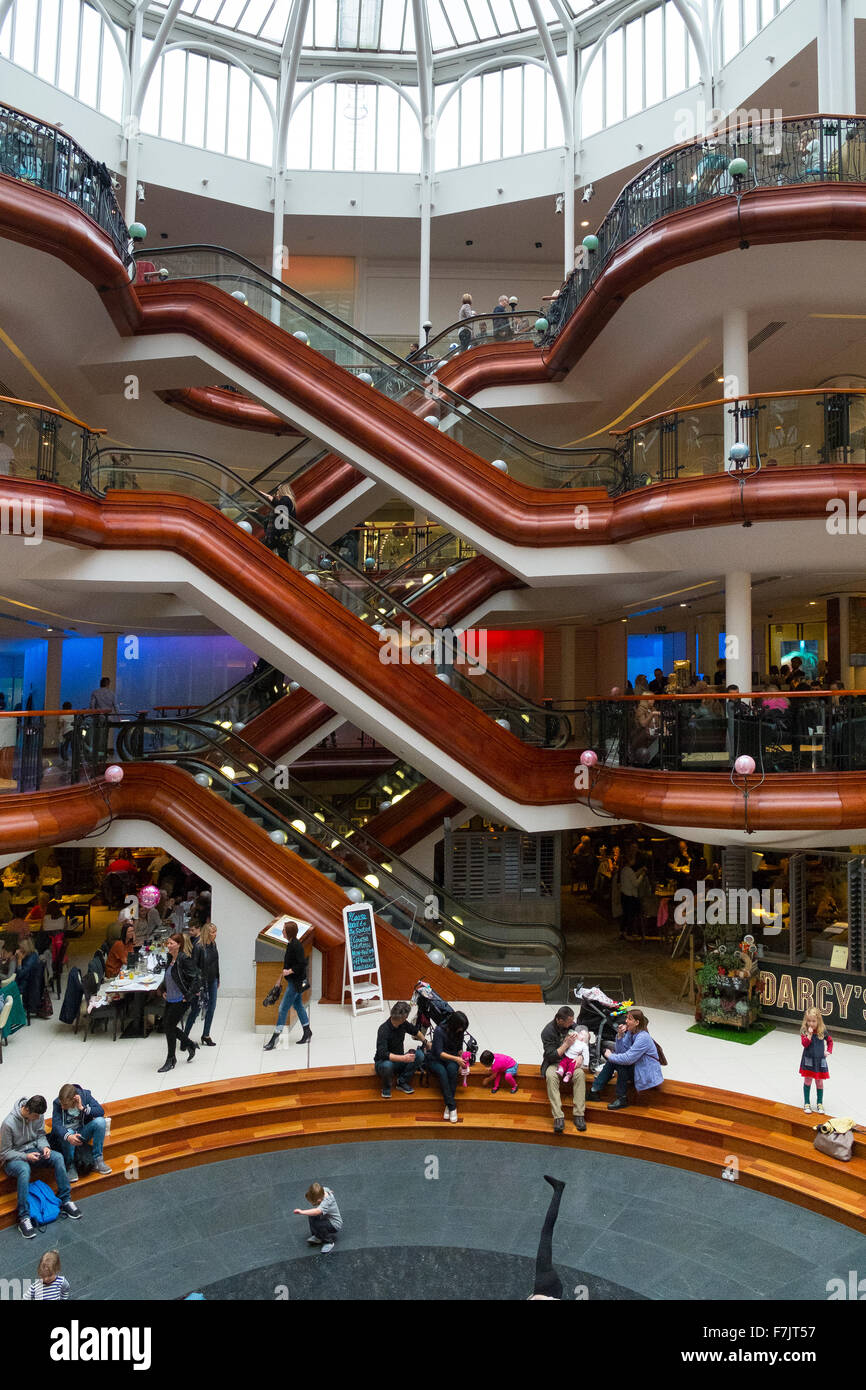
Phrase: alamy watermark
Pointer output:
(438, 646)
(718, 907)
(751, 125)
(846, 516)
(22, 516)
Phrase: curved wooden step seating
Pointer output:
(684, 1126)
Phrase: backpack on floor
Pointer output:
(44, 1204)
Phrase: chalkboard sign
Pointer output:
(362, 959)
(361, 937)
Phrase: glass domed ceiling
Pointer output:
(380, 26)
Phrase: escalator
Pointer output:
(476, 947)
(322, 631)
(326, 568)
(230, 843)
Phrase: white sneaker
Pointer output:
(807, 1109)
(313, 1240)
(820, 1109)
(452, 1115)
(447, 1115)
(326, 1249)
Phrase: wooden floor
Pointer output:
(685, 1126)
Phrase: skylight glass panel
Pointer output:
(675, 43)
(196, 87)
(326, 23)
(459, 20)
(441, 36)
(358, 24)
(274, 27)
(394, 27)
(504, 15)
(48, 25)
(24, 53)
(255, 15)
(483, 20)
(653, 57)
(230, 13)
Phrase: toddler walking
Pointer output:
(817, 1044)
(502, 1067)
(576, 1056)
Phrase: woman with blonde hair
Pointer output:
(49, 1284)
(206, 956)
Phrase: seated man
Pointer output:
(557, 1037)
(391, 1055)
(634, 1058)
(78, 1128)
(23, 1148)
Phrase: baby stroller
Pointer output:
(431, 1011)
(601, 1016)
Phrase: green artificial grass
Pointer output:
(746, 1036)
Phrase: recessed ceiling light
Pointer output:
(584, 224)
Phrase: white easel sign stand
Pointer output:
(362, 980)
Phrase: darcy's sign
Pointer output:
(790, 990)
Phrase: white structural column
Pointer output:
(140, 80)
(424, 51)
(289, 61)
(836, 56)
(735, 370)
(566, 97)
(738, 629)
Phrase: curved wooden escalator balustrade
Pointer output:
(313, 618)
(243, 852)
(506, 508)
(298, 715)
(684, 1126)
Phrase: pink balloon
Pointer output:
(616, 691)
(114, 773)
(744, 765)
(589, 758)
(149, 896)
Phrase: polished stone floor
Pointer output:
(626, 1229)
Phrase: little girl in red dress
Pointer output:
(817, 1045)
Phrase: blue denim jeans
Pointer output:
(624, 1078)
(292, 1000)
(92, 1136)
(20, 1170)
(395, 1071)
(446, 1074)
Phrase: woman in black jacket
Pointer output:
(295, 975)
(180, 987)
(206, 958)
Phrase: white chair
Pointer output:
(8, 1003)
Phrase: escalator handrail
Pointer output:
(418, 376)
(511, 700)
(128, 730)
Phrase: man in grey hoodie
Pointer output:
(23, 1148)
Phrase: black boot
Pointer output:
(271, 1042)
(306, 1035)
(167, 1064)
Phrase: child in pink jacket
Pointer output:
(501, 1067)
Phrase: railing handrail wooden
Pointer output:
(731, 400)
(50, 410)
(727, 695)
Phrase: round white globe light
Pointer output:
(301, 336)
(279, 837)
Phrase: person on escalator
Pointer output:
(295, 975)
(282, 514)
